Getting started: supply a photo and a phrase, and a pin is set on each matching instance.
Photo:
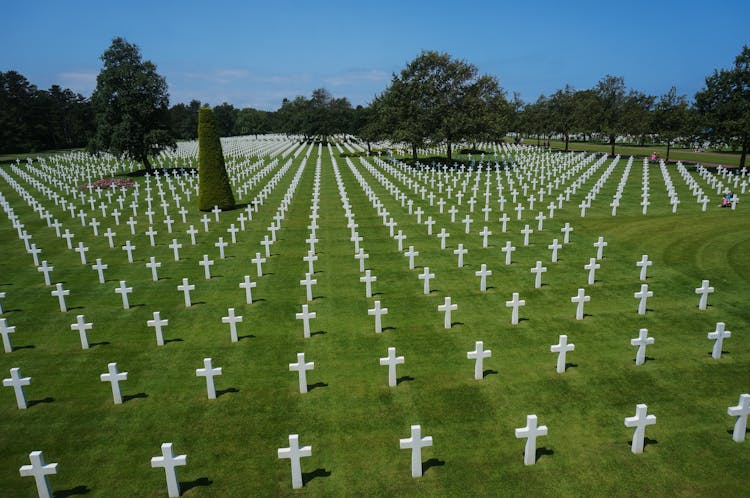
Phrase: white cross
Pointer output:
(537, 271)
(530, 432)
(248, 286)
(504, 220)
(429, 222)
(175, 246)
(109, 234)
(519, 209)
(410, 254)
(2, 296)
(508, 250)
(305, 316)
(186, 288)
(232, 320)
(5, 332)
(153, 265)
(312, 240)
(205, 220)
(34, 251)
(67, 236)
(158, 323)
(483, 273)
(426, 276)
(192, 231)
(579, 299)
(131, 223)
(643, 295)
(308, 282)
(562, 348)
(540, 218)
(485, 233)
(60, 294)
(216, 210)
(641, 341)
(391, 361)
(301, 367)
(266, 243)
(294, 453)
(368, 279)
(446, 308)
(311, 258)
(206, 264)
(151, 232)
(258, 260)
(221, 245)
(129, 248)
(168, 461)
(515, 303)
(114, 377)
(356, 239)
(208, 372)
(82, 250)
(592, 267)
(39, 471)
(17, 382)
(99, 267)
(740, 411)
(460, 252)
(442, 236)
(361, 256)
(526, 232)
(467, 222)
(704, 290)
(600, 245)
(479, 354)
(81, 326)
(123, 290)
(232, 230)
(718, 335)
(415, 443)
(400, 237)
(639, 421)
(644, 263)
(377, 311)
(566, 231)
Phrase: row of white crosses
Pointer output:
(40, 470)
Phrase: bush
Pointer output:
(214, 187)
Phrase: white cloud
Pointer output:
(357, 76)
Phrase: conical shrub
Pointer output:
(214, 186)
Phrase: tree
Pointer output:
(585, 109)
(610, 92)
(214, 187)
(637, 115)
(723, 105)
(226, 119)
(438, 98)
(131, 105)
(252, 121)
(183, 120)
(671, 117)
(562, 112)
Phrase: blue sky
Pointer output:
(253, 54)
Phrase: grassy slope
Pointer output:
(353, 420)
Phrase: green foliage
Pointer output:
(183, 120)
(131, 105)
(214, 189)
(724, 105)
(33, 120)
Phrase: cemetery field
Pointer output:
(350, 416)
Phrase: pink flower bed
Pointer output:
(105, 183)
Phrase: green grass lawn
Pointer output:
(351, 418)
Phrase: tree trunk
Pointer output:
(567, 138)
(669, 142)
(612, 143)
(146, 164)
(450, 152)
(369, 150)
(414, 151)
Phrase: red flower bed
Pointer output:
(105, 183)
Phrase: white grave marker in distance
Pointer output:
(301, 367)
(186, 287)
(248, 286)
(579, 299)
(530, 432)
(391, 361)
(426, 276)
(718, 337)
(81, 326)
(415, 443)
(740, 411)
(704, 290)
(562, 348)
(478, 355)
(208, 372)
(17, 382)
(641, 341)
(639, 421)
(305, 316)
(5, 332)
(515, 303)
(377, 311)
(446, 308)
(232, 320)
(114, 377)
(158, 323)
(294, 453)
(168, 461)
(39, 470)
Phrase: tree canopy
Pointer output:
(131, 105)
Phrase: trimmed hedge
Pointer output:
(214, 186)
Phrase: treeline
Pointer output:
(32, 120)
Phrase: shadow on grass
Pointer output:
(176, 339)
(311, 387)
(540, 452)
(388, 328)
(404, 378)
(102, 343)
(188, 485)
(319, 297)
(318, 332)
(453, 324)
(27, 346)
(77, 491)
(731, 431)
(222, 392)
(646, 441)
(35, 402)
(246, 336)
(571, 365)
(130, 397)
(309, 476)
(432, 462)
(488, 372)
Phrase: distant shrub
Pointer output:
(214, 186)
